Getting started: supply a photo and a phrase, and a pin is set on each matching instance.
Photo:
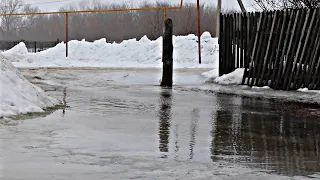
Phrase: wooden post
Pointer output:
(199, 30)
(167, 54)
(67, 33)
(35, 46)
(165, 14)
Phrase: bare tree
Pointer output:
(115, 26)
(285, 4)
(10, 23)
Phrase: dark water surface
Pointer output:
(116, 113)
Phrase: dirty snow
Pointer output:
(142, 53)
(18, 95)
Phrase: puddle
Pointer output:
(123, 128)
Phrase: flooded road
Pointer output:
(120, 125)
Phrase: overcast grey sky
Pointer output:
(53, 5)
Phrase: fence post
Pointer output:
(199, 30)
(67, 34)
(167, 54)
(35, 46)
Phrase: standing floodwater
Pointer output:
(122, 126)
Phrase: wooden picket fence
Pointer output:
(280, 49)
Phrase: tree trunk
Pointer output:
(167, 55)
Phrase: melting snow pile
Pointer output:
(233, 78)
(129, 53)
(18, 95)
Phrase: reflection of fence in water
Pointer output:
(279, 137)
(286, 144)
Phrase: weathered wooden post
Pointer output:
(167, 54)
(35, 46)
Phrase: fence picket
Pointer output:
(266, 54)
(254, 51)
(302, 44)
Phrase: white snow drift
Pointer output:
(129, 53)
(18, 95)
(233, 78)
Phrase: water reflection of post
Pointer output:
(176, 143)
(221, 123)
(193, 130)
(64, 100)
(164, 115)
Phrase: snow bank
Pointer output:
(18, 95)
(306, 90)
(18, 49)
(233, 78)
(129, 53)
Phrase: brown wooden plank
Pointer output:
(312, 66)
(263, 50)
(229, 44)
(250, 29)
(267, 53)
(317, 69)
(257, 57)
(235, 42)
(280, 47)
(311, 51)
(274, 43)
(238, 41)
(242, 39)
(312, 79)
(226, 49)
(224, 46)
(234, 50)
(303, 44)
(221, 43)
(251, 33)
(245, 42)
(254, 50)
(317, 75)
(285, 49)
(289, 68)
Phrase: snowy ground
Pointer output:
(18, 95)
